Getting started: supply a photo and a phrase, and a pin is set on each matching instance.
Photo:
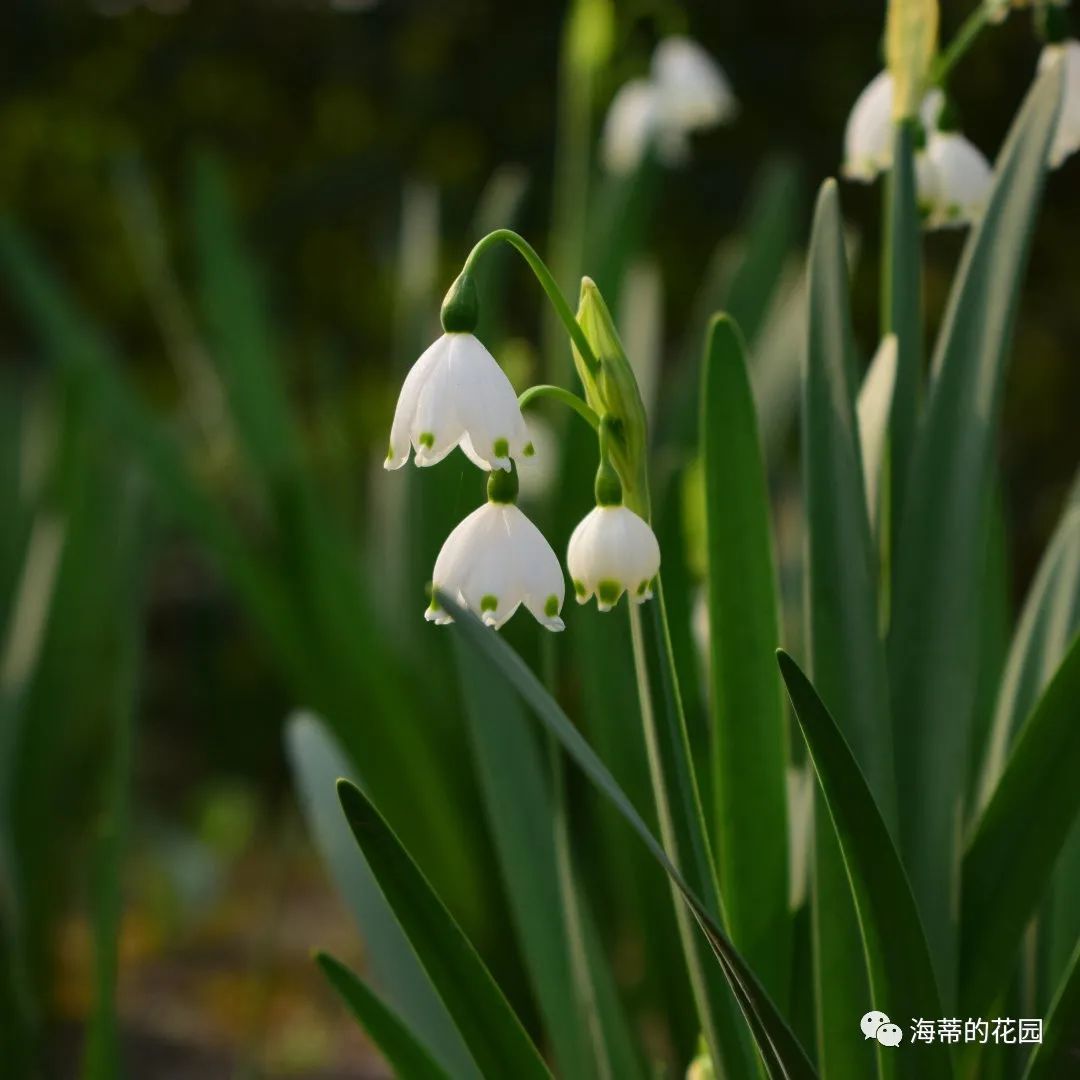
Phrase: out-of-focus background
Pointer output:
(224, 189)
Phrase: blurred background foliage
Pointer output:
(357, 144)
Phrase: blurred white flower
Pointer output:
(493, 562)
(868, 138)
(1067, 137)
(686, 91)
(613, 551)
(457, 395)
(953, 180)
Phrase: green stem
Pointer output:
(566, 397)
(547, 283)
(957, 48)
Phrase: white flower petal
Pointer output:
(693, 91)
(494, 561)
(628, 127)
(1067, 135)
(954, 180)
(613, 550)
(418, 374)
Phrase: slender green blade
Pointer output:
(846, 655)
(898, 958)
(521, 814)
(902, 309)
(398, 1044)
(317, 761)
(491, 1030)
(934, 631)
(1017, 840)
(749, 758)
(777, 1044)
(1056, 1056)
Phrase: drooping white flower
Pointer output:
(1067, 136)
(953, 179)
(613, 551)
(494, 561)
(457, 395)
(868, 137)
(628, 126)
(685, 91)
(693, 91)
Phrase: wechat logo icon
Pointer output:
(876, 1025)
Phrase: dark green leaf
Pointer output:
(1059, 1051)
(749, 759)
(397, 1043)
(934, 631)
(898, 959)
(491, 1030)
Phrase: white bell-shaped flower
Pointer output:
(457, 395)
(953, 179)
(493, 562)
(628, 126)
(613, 551)
(868, 138)
(1067, 136)
(693, 91)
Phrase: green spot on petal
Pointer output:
(427, 439)
(579, 588)
(501, 447)
(551, 608)
(641, 589)
(529, 450)
(609, 591)
(489, 602)
(390, 452)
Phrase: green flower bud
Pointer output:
(615, 396)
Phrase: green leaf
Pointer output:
(1056, 1055)
(397, 1043)
(491, 1030)
(317, 761)
(521, 813)
(901, 307)
(777, 1044)
(749, 760)
(898, 959)
(1018, 838)
(934, 632)
(846, 654)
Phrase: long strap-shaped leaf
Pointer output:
(1059, 1051)
(749, 760)
(934, 629)
(490, 1028)
(846, 655)
(1018, 838)
(783, 1055)
(898, 959)
(399, 1046)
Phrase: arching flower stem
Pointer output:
(955, 51)
(547, 283)
(566, 397)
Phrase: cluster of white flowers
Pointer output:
(496, 559)
(686, 91)
(952, 174)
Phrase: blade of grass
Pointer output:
(1057, 1053)
(934, 632)
(398, 1044)
(1018, 837)
(898, 958)
(491, 1030)
(749, 760)
(846, 655)
(317, 761)
(783, 1055)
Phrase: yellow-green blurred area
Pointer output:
(181, 170)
